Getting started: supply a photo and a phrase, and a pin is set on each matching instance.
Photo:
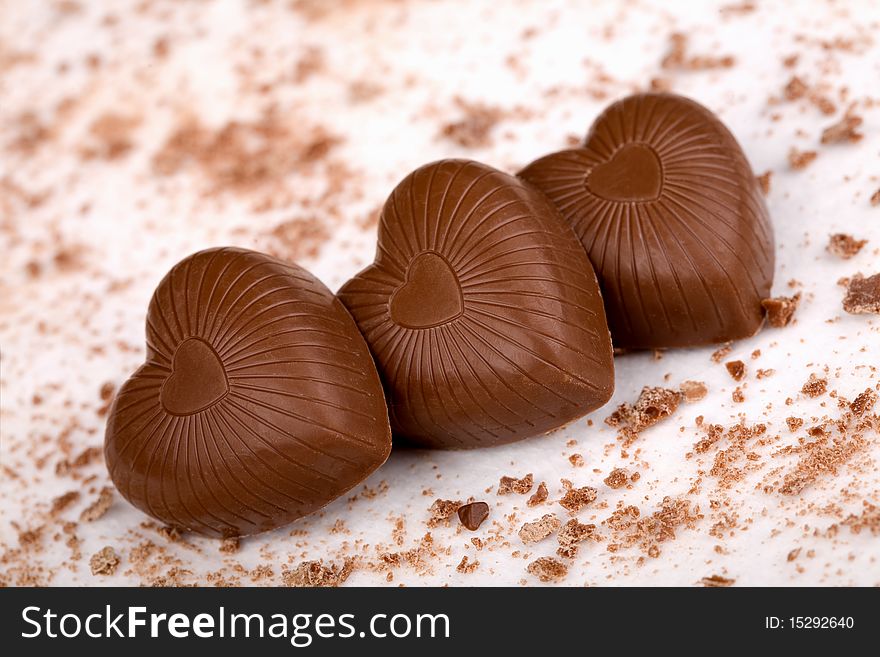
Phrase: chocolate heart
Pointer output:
(197, 379)
(430, 296)
(672, 218)
(481, 310)
(258, 402)
(632, 174)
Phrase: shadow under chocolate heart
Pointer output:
(634, 173)
(430, 295)
(197, 380)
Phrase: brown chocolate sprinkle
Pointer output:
(104, 561)
(794, 423)
(548, 569)
(540, 495)
(844, 246)
(736, 369)
(862, 295)
(576, 499)
(538, 530)
(653, 405)
(509, 485)
(780, 310)
(473, 515)
(875, 198)
(465, 567)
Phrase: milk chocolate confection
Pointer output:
(257, 404)
(669, 211)
(481, 310)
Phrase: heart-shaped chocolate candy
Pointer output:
(430, 296)
(481, 310)
(258, 402)
(197, 379)
(672, 218)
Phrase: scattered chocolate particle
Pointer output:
(764, 182)
(538, 530)
(509, 485)
(653, 405)
(316, 574)
(794, 423)
(844, 131)
(473, 514)
(844, 246)
(540, 495)
(869, 520)
(99, 507)
(799, 160)
(875, 198)
(862, 295)
(571, 534)
(465, 567)
(576, 499)
(548, 569)
(617, 479)
(475, 129)
(780, 310)
(677, 57)
(693, 391)
(577, 460)
(721, 353)
(104, 561)
(764, 373)
(736, 369)
(441, 511)
(60, 503)
(717, 581)
(795, 89)
(793, 554)
(229, 545)
(864, 402)
(815, 387)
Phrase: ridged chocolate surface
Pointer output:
(669, 211)
(481, 310)
(258, 402)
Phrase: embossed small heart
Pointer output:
(430, 296)
(633, 173)
(197, 379)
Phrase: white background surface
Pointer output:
(424, 55)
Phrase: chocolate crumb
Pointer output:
(571, 534)
(693, 391)
(473, 515)
(509, 485)
(875, 198)
(577, 460)
(316, 574)
(864, 402)
(717, 581)
(800, 159)
(99, 507)
(229, 545)
(794, 423)
(538, 530)
(653, 405)
(548, 569)
(617, 479)
(540, 495)
(465, 567)
(815, 387)
(844, 131)
(862, 295)
(764, 182)
(104, 562)
(844, 246)
(577, 498)
(441, 511)
(736, 369)
(780, 310)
